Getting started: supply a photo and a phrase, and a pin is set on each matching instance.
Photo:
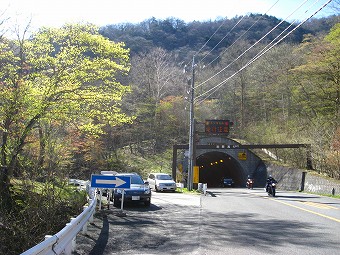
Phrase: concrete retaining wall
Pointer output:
(291, 178)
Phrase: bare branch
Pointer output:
(3, 20)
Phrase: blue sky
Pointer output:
(104, 12)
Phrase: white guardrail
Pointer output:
(64, 242)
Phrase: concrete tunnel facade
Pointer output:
(226, 161)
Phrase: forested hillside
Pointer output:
(80, 99)
(288, 94)
(185, 39)
(277, 81)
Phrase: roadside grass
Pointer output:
(326, 195)
(37, 209)
(57, 190)
(185, 190)
(333, 196)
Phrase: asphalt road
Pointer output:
(225, 221)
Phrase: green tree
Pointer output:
(68, 75)
(319, 78)
(318, 97)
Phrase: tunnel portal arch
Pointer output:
(214, 166)
(232, 166)
(218, 157)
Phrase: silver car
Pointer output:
(161, 182)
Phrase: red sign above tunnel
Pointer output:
(217, 126)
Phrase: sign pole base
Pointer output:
(122, 213)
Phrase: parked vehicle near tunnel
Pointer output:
(139, 191)
(228, 182)
(161, 182)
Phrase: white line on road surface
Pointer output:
(306, 210)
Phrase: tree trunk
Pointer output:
(5, 195)
(5, 198)
(42, 148)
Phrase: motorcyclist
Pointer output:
(270, 180)
(250, 181)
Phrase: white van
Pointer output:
(161, 182)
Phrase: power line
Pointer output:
(252, 46)
(242, 34)
(258, 55)
(287, 28)
(222, 39)
(205, 44)
(210, 37)
(191, 159)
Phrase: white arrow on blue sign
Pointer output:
(110, 181)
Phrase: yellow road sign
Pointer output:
(196, 174)
(242, 156)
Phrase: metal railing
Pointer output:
(64, 242)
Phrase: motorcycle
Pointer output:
(250, 183)
(271, 188)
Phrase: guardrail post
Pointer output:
(91, 217)
(205, 186)
(68, 248)
(84, 232)
(73, 242)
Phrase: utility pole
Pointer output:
(191, 130)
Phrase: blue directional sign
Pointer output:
(110, 181)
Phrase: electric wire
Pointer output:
(210, 38)
(252, 46)
(287, 28)
(205, 44)
(258, 56)
(222, 38)
(256, 21)
(265, 50)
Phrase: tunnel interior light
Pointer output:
(221, 160)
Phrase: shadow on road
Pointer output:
(101, 242)
(178, 229)
(138, 207)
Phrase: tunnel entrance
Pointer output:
(214, 166)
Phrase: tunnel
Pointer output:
(214, 166)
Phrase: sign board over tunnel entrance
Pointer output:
(217, 126)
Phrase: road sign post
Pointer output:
(122, 203)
